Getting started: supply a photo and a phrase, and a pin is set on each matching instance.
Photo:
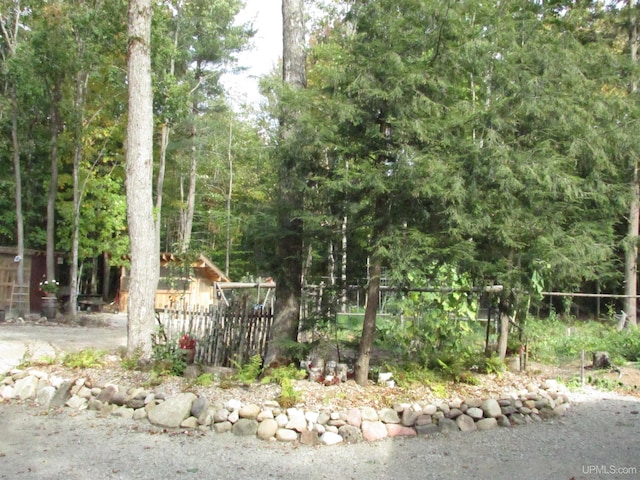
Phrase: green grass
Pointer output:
(555, 342)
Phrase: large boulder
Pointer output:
(173, 411)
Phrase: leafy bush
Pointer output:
(250, 371)
(553, 341)
(204, 380)
(289, 396)
(277, 375)
(168, 359)
(88, 358)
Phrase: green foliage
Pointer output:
(289, 396)
(168, 359)
(279, 374)
(493, 364)
(249, 372)
(88, 358)
(131, 362)
(204, 380)
(553, 341)
(433, 323)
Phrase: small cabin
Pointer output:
(183, 283)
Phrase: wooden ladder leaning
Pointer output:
(19, 299)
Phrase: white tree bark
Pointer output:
(139, 171)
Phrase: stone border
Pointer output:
(271, 422)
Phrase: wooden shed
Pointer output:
(183, 283)
(35, 267)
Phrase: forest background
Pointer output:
(491, 142)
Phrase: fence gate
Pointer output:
(224, 335)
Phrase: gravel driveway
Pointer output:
(599, 438)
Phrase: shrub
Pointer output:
(250, 371)
(88, 358)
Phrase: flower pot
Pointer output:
(49, 307)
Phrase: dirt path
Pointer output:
(597, 439)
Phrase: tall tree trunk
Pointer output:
(369, 324)
(139, 171)
(289, 249)
(631, 250)
(22, 307)
(55, 126)
(186, 223)
(80, 99)
(343, 266)
(10, 32)
(227, 257)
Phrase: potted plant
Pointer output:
(49, 289)
(187, 345)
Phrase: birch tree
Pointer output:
(139, 170)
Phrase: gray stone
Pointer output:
(135, 403)
(409, 417)
(453, 413)
(560, 410)
(517, 419)
(173, 411)
(369, 414)
(350, 434)
(475, 413)
(26, 388)
(189, 422)
(95, 404)
(77, 403)
(508, 410)
(123, 412)
(221, 415)
(474, 402)
(233, 416)
(282, 420)
(310, 438)
(267, 429)
(424, 420)
(372, 431)
(323, 418)
(329, 438)
(286, 435)
(389, 415)
(296, 421)
(245, 427)
(504, 421)
(429, 409)
(45, 395)
(139, 414)
(428, 429)
(446, 425)
(84, 392)
(8, 392)
(249, 411)
(465, 423)
(222, 427)
(107, 393)
(233, 405)
(63, 393)
(487, 423)
(119, 398)
(505, 402)
(200, 406)
(491, 408)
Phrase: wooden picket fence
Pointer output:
(225, 336)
